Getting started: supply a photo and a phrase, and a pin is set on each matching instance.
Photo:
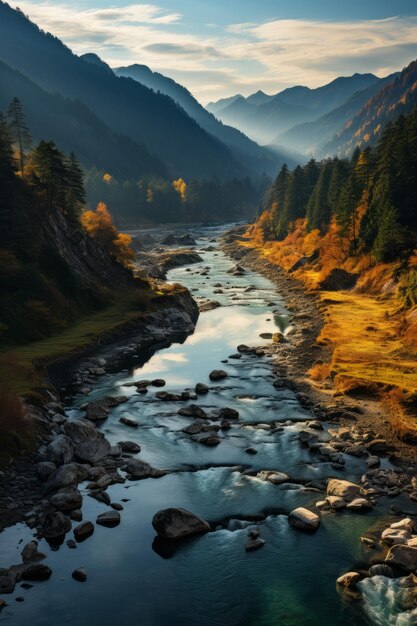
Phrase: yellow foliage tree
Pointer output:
(107, 178)
(99, 226)
(180, 187)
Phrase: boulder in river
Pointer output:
(38, 571)
(217, 375)
(80, 575)
(7, 583)
(254, 541)
(176, 524)
(343, 489)
(138, 469)
(349, 579)
(83, 531)
(30, 553)
(404, 557)
(94, 450)
(201, 389)
(131, 447)
(55, 525)
(97, 411)
(109, 519)
(228, 413)
(66, 500)
(303, 519)
(129, 421)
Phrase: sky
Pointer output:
(218, 48)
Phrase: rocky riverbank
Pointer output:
(298, 351)
(22, 484)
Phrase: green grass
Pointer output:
(22, 367)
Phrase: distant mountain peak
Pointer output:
(94, 59)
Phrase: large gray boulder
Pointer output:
(138, 469)
(109, 519)
(303, 519)
(38, 571)
(97, 411)
(30, 552)
(60, 451)
(93, 451)
(80, 431)
(178, 523)
(67, 500)
(66, 476)
(83, 530)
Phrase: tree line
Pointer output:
(153, 199)
(371, 197)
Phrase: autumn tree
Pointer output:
(99, 226)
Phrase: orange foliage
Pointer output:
(180, 187)
(107, 178)
(320, 372)
(99, 226)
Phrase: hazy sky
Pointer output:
(218, 48)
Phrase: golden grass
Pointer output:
(402, 422)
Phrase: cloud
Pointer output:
(242, 57)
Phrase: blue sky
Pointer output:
(218, 48)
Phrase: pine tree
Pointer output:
(75, 193)
(7, 175)
(20, 131)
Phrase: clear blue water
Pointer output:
(208, 580)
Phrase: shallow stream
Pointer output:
(210, 580)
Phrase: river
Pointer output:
(209, 580)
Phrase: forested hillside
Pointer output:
(53, 270)
(369, 201)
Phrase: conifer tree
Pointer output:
(20, 131)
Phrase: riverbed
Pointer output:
(133, 578)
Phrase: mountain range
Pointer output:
(327, 121)
(163, 137)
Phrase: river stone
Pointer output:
(402, 556)
(394, 536)
(357, 504)
(349, 579)
(303, 519)
(7, 584)
(67, 500)
(228, 413)
(100, 496)
(80, 575)
(80, 431)
(343, 489)
(277, 478)
(158, 382)
(64, 477)
(97, 411)
(209, 440)
(109, 519)
(254, 543)
(141, 384)
(192, 410)
(59, 451)
(217, 375)
(45, 469)
(129, 421)
(335, 502)
(83, 531)
(38, 571)
(201, 389)
(55, 525)
(30, 552)
(404, 524)
(130, 447)
(193, 429)
(178, 523)
(140, 469)
(381, 570)
(93, 451)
